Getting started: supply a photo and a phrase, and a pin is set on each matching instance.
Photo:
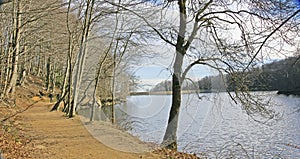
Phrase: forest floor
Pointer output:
(29, 130)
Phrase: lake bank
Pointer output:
(289, 92)
(52, 135)
(161, 92)
(29, 130)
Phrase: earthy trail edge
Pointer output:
(18, 112)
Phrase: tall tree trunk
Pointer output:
(63, 88)
(100, 66)
(2, 69)
(113, 84)
(16, 47)
(70, 101)
(95, 94)
(7, 71)
(48, 74)
(23, 69)
(44, 66)
(38, 56)
(67, 72)
(81, 55)
(53, 78)
(23, 74)
(170, 137)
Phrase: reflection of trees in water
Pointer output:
(131, 124)
(233, 134)
(101, 113)
(128, 123)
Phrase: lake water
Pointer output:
(215, 125)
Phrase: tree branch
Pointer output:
(266, 39)
(230, 11)
(145, 20)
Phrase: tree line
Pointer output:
(281, 75)
(52, 40)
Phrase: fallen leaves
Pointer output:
(13, 141)
(172, 154)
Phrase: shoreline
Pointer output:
(51, 135)
(30, 130)
(105, 132)
(38, 133)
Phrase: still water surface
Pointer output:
(215, 125)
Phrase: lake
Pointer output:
(215, 125)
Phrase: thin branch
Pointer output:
(266, 39)
(230, 11)
(146, 21)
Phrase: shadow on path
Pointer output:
(18, 112)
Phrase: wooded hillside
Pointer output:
(282, 76)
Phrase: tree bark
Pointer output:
(38, 56)
(53, 78)
(16, 48)
(63, 88)
(81, 56)
(7, 72)
(170, 137)
(48, 76)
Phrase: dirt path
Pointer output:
(29, 130)
(55, 137)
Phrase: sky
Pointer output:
(155, 74)
(152, 74)
(157, 69)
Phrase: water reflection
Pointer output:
(215, 125)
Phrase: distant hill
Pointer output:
(282, 76)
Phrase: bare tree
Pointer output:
(15, 41)
(228, 36)
(27, 42)
(82, 54)
(119, 41)
(73, 32)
